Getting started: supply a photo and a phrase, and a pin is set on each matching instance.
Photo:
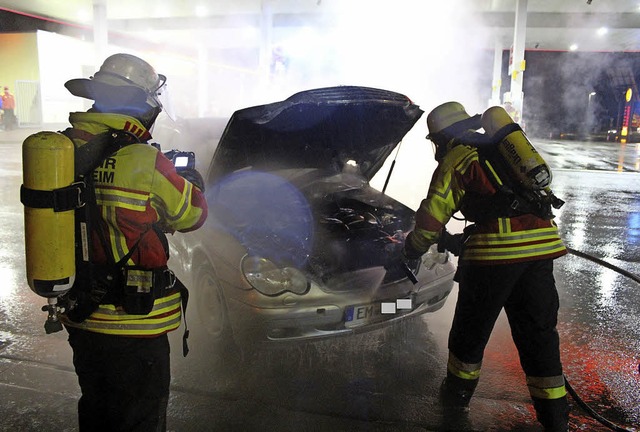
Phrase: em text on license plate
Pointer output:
(363, 314)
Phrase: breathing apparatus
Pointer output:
(527, 169)
(50, 198)
(511, 162)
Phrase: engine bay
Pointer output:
(359, 229)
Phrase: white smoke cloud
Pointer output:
(431, 51)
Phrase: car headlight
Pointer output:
(271, 280)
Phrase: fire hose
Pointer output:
(570, 389)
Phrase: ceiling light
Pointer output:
(602, 31)
(84, 16)
(161, 11)
(573, 47)
(201, 11)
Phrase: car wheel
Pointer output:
(211, 306)
(212, 348)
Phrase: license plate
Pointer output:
(365, 314)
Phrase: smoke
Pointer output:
(576, 93)
(425, 49)
(431, 51)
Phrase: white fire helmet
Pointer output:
(442, 123)
(446, 115)
(122, 78)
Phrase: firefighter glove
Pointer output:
(409, 252)
(451, 242)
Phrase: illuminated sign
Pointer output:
(625, 120)
(628, 95)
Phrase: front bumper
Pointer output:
(258, 324)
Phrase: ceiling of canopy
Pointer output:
(586, 25)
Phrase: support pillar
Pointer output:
(203, 80)
(517, 63)
(100, 31)
(496, 83)
(266, 39)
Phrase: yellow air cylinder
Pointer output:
(47, 159)
(526, 164)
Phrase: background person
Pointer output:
(8, 107)
(506, 262)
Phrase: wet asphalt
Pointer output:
(385, 380)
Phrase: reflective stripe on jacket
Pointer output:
(137, 187)
(498, 241)
(109, 319)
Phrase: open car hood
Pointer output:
(327, 128)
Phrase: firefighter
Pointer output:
(120, 345)
(506, 261)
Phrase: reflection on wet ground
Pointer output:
(588, 155)
(599, 307)
(377, 377)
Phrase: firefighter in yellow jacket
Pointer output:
(120, 344)
(506, 262)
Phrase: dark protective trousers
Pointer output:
(527, 291)
(124, 381)
(528, 294)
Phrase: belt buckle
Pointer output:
(80, 188)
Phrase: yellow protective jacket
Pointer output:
(500, 240)
(136, 187)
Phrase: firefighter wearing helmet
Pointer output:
(505, 261)
(122, 307)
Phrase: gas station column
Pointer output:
(100, 30)
(517, 62)
(266, 38)
(497, 74)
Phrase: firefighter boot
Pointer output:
(553, 414)
(455, 393)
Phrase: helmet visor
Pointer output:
(162, 97)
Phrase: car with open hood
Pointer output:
(298, 245)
